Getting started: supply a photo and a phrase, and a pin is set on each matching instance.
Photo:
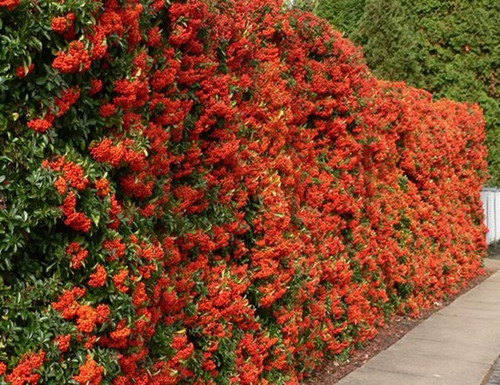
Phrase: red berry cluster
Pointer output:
(248, 200)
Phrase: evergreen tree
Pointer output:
(344, 14)
(388, 39)
(451, 48)
(304, 5)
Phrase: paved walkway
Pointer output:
(458, 345)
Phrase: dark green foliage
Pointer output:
(450, 48)
(388, 40)
(304, 5)
(344, 14)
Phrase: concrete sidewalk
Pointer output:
(456, 346)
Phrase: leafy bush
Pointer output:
(450, 48)
(343, 14)
(215, 192)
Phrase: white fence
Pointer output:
(491, 203)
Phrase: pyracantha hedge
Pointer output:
(215, 192)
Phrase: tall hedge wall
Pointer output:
(450, 48)
(218, 192)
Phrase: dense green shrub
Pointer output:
(451, 48)
(343, 14)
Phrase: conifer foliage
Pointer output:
(450, 48)
(215, 192)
